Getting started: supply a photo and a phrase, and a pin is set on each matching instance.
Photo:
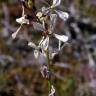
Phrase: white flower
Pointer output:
(41, 48)
(62, 38)
(31, 44)
(59, 47)
(63, 15)
(53, 18)
(52, 91)
(36, 49)
(22, 20)
(45, 43)
(45, 10)
(36, 53)
(44, 71)
(52, 55)
(56, 3)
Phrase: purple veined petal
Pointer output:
(31, 44)
(36, 53)
(63, 15)
(38, 26)
(53, 18)
(56, 3)
(62, 38)
(15, 33)
(52, 91)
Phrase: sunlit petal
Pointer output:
(31, 44)
(52, 91)
(53, 18)
(22, 20)
(56, 3)
(63, 15)
(36, 53)
(62, 38)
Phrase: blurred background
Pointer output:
(74, 69)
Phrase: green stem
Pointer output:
(49, 68)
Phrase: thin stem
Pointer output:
(49, 68)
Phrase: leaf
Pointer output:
(45, 43)
(56, 3)
(36, 53)
(53, 18)
(63, 15)
(22, 20)
(31, 44)
(38, 26)
(62, 38)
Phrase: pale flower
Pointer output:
(52, 91)
(22, 20)
(63, 15)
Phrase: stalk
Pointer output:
(49, 68)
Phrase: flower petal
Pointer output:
(52, 91)
(63, 15)
(22, 20)
(39, 15)
(53, 55)
(36, 53)
(62, 38)
(41, 41)
(53, 18)
(56, 3)
(38, 26)
(45, 43)
(31, 44)
(44, 71)
(59, 47)
(45, 10)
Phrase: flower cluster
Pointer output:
(45, 22)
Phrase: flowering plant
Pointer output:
(45, 21)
